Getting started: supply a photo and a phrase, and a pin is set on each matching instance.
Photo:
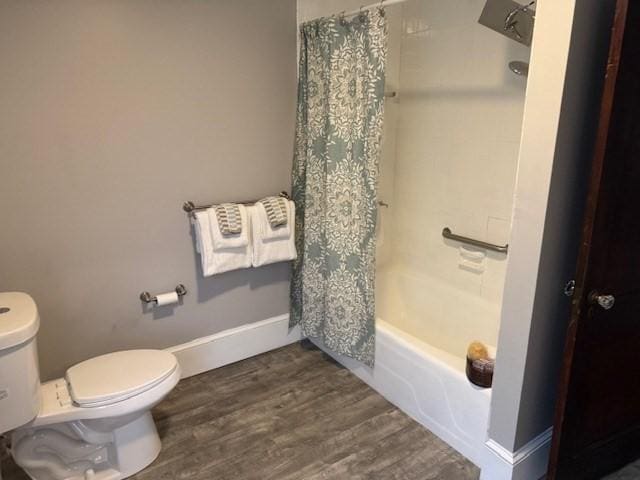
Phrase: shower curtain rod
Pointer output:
(383, 3)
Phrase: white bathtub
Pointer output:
(429, 385)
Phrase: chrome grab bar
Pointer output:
(447, 233)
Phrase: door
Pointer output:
(597, 424)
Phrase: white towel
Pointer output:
(217, 261)
(266, 251)
(270, 233)
(221, 241)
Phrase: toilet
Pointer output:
(95, 422)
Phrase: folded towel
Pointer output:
(228, 216)
(217, 261)
(222, 240)
(276, 208)
(267, 230)
(266, 251)
(198, 233)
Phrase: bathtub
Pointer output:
(427, 380)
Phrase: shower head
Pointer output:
(510, 18)
(510, 21)
(519, 68)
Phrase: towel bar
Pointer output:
(191, 207)
(447, 233)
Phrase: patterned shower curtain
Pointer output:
(335, 175)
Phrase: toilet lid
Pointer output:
(19, 320)
(117, 376)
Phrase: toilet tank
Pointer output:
(19, 373)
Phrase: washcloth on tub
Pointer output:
(271, 250)
(235, 219)
(213, 260)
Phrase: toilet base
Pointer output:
(102, 449)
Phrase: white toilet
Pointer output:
(95, 423)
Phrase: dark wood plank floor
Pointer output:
(290, 414)
(630, 472)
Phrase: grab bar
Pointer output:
(447, 233)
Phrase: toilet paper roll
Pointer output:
(167, 298)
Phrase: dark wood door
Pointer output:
(597, 424)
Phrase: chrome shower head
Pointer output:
(510, 21)
(510, 18)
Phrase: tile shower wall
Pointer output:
(457, 141)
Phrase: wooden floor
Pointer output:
(290, 414)
(630, 472)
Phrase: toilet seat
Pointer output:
(117, 376)
(58, 405)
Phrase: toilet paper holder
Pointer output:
(146, 297)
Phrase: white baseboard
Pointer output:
(527, 463)
(233, 345)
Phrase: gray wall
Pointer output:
(114, 113)
(535, 315)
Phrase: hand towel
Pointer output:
(221, 240)
(266, 251)
(267, 229)
(217, 261)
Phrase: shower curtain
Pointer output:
(335, 175)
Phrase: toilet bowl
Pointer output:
(95, 422)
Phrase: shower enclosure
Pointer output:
(453, 117)
(452, 136)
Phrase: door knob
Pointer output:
(570, 288)
(605, 301)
